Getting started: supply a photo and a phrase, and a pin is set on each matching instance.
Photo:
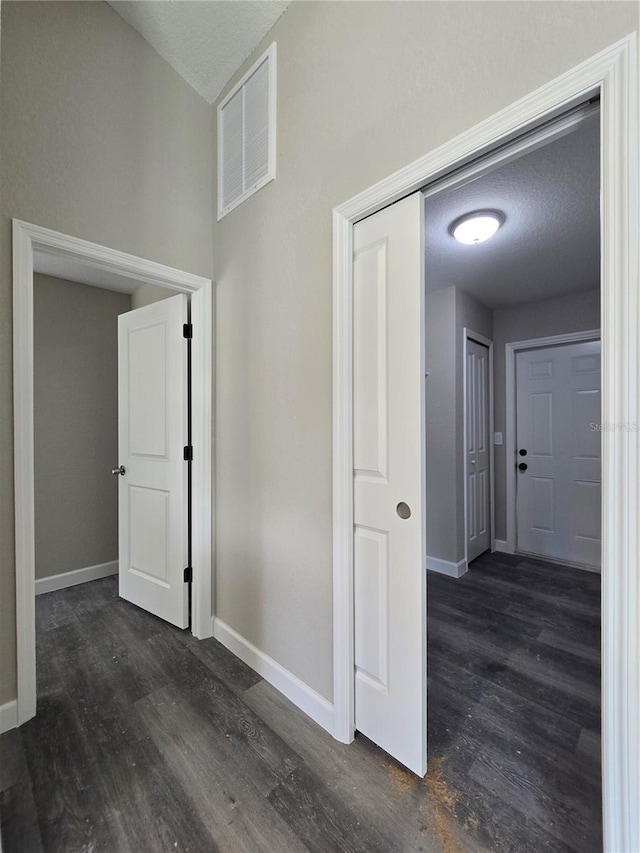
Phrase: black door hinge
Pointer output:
(188, 574)
(188, 453)
(187, 330)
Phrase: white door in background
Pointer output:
(477, 449)
(558, 442)
(389, 484)
(152, 434)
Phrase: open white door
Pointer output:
(389, 483)
(152, 435)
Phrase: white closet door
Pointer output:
(152, 434)
(389, 486)
(558, 452)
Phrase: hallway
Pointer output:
(148, 740)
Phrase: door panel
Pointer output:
(152, 432)
(389, 550)
(477, 450)
(557, 423)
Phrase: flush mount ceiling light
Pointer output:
(476, 227)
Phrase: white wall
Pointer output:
(75, 369)
(363, 89)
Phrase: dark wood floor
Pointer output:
(147, 740)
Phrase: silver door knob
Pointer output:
(120, 470)
(403, 510)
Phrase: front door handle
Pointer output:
(120, 470)
(523, 466)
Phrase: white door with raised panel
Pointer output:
(389, 484)
(558, 452)
(477, 459)
(152, 435)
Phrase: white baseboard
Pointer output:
(502, 546)
(303, 696)
(444, 567)
(90, 573)
(8, 716)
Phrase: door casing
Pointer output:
(31, 240)
(613, 75)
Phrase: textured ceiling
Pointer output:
(205, 41)
(549, 244)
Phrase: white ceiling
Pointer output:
(205, 41)
(549, 244)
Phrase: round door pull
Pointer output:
(523, 466)
(403, 510)
(120, 470)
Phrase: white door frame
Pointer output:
(510, 351)
(613, 74)
(470, 335)
(27, 241)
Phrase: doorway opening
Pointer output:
(513, 639)
(604, 76)
(41, 250)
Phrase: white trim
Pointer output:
(564, 124)
(502, 546)
(470, 335)
(510, 350)
(8, 716)
(75, 577)
(613, 74)
(202, 493)
(302, 696)
(270, 56)
(446, 567)
(27, 240)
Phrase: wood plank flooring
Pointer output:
(148, 740)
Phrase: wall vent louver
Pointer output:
(247, 134)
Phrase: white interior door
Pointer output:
(389, 487)
(152, 435)
(558, 452)
(477, 449)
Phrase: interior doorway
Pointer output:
(478, 447)
(593, 78)
(42, 250)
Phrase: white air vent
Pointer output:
(247, 134)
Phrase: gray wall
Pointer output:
(473, 315)
(448, 312)
(363, 89)
(114, 147)
(440, 397)
(574, 313)
(76, 424)
(101, 139)
(147, 294)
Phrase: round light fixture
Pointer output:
(476, 227)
